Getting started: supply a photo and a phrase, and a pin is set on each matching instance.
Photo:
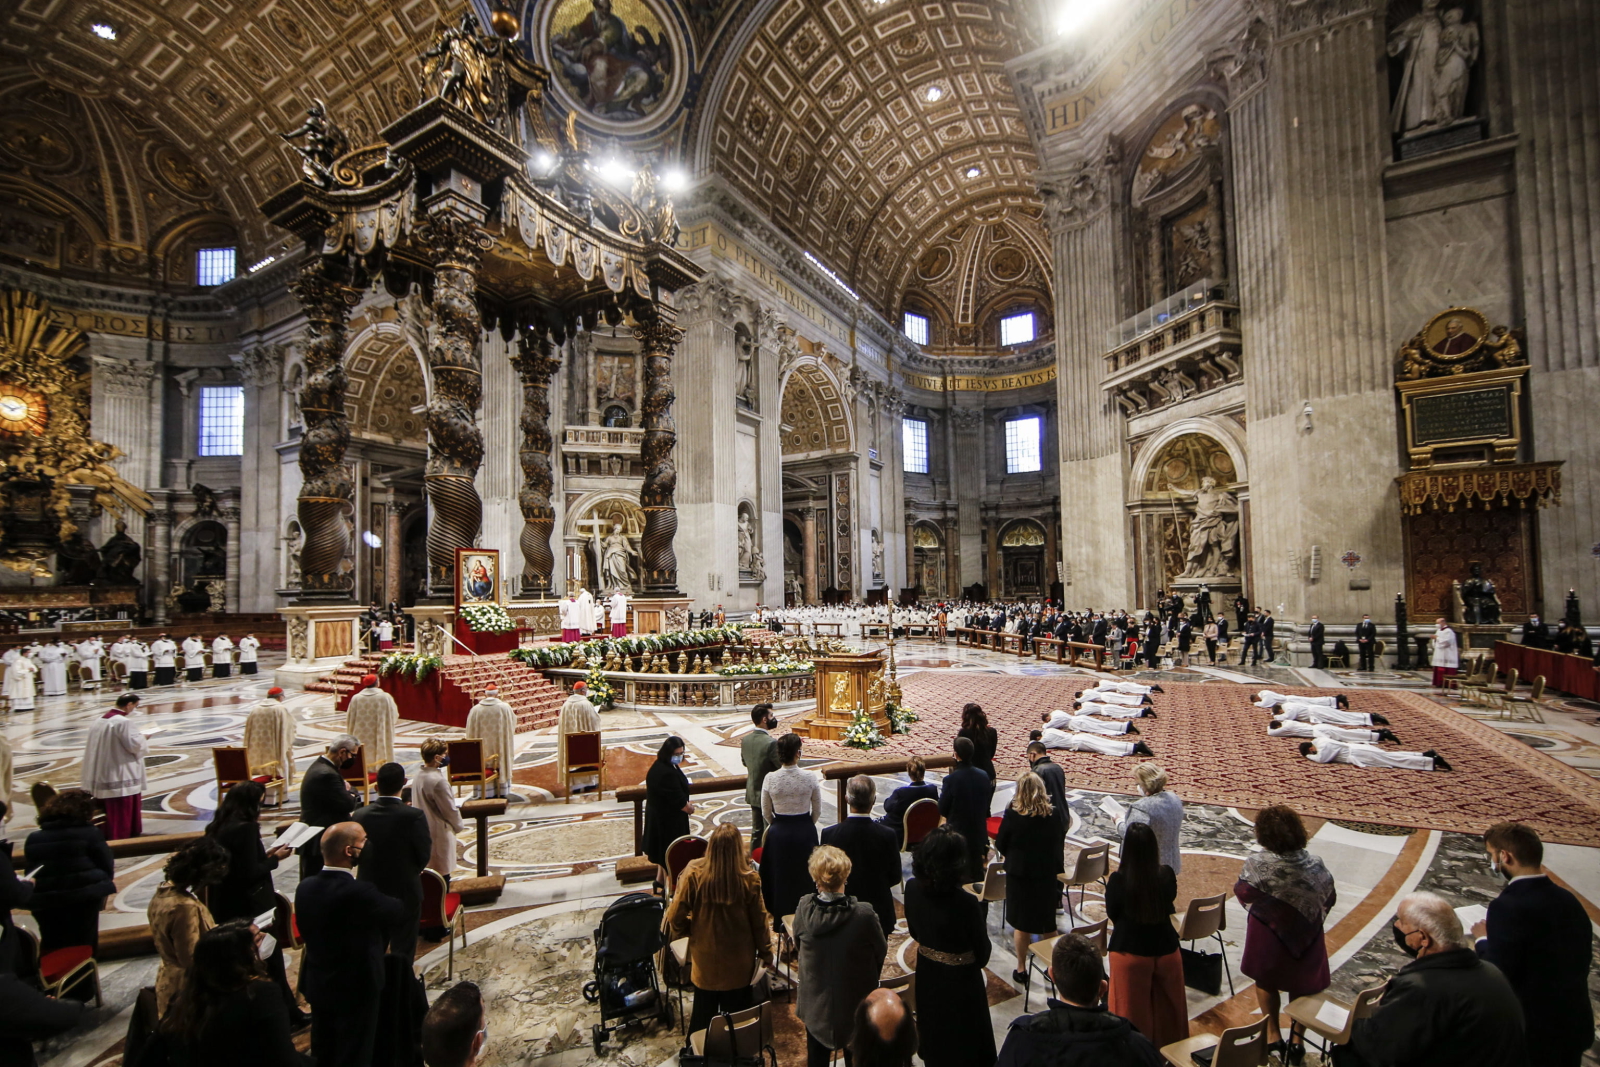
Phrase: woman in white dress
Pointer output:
(430, 791)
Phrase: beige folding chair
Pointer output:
(906, 986)
(1040, 953)
(1330, 1019)
(1524, 707)
(993, 886)
(1206, 917)
(742, 1035)
(1238, 1046)
(1093, 862)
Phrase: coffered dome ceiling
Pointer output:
(870, 131)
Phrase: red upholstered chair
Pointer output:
(468, 765)
(585, 755)
(442, 908)
(920, 818)
(992, 824)
(56, 972)
(678, 855)
(357, 777)
(233, 768)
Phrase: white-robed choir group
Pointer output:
(40, 669)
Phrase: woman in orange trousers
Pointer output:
(1146, 969)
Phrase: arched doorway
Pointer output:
(1189, 516)
(1022, 572)
(928, 560)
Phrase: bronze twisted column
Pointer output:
(455, 444)
(326, 492)
(535, 367)
(658, 339)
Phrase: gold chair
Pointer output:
(586, 755)
(1093, 862)
(1238, 1046)
(232, 767)
(442, 909)
(1524, 707)
(920, 818)
(1206, 917)
(56, 972)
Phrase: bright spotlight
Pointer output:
(1077, 14)
(614, 172)
(104, 30)
(372, 539)
(973, 172)
(675, 180)
(543, 161)
(935, 94)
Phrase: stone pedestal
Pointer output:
(435, 622)
(318, 640)
(1481, 637)
(1223, 590)
(659, 614)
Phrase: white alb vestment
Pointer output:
(370, 719)
(583, 612)
(194, 653)
(113, 760)
(494, 722)
(578, 716)
(1268, 699)
(139, 657)
(52, 670)
(164, 652)
(88, 655)
(568, 615)
(1110, 711)
(1086, 743)
(1131, 688)
(247, 649)
(269, 739)
(1061, 720)
(1311, 731)
(19, 683)
(1102, 696)
(1326, 716)
(1327, 750)
(619, 608)
(222, 651)
(1446, 648)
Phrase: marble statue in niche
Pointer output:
(1213, 550)
(617, 556)
(877, 555)
(1439, 51)
(752, 565)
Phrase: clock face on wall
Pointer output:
(21, 411)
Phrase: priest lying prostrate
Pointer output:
(371, 719)
(494, 722)
(1327, 750)
(1114, 711)
(1107, 696)
(1268, 699)
(269, 738)
(113, 768)
(1128, 688)
(1292, 728)
(578, 716)
(1326, 716)
(1089, 743)
(1083, 724)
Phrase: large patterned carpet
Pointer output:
(1215, 748)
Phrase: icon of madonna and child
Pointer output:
(615, 71)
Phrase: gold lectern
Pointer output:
(845, 682)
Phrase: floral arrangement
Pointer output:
(602, 694)
(901, 717)
(863, 732)
(413, 665)
(599, 650)
(781, 665)
(486, 618)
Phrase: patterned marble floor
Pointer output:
(532, 948)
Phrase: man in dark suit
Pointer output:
(874, 853)
(1053, 777)
(1366, 642)
(1536, 634)
(1222, 635)
(1185, 640)
(325, 799)
(398, 848)
(344, 923)
(1252, 641)
(1267, 625)
(1097, 633)
(964, 803)
(1241, 608)
(1315, 636)
(1537, 933)
(894, 808)
(1152, 646)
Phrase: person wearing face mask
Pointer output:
(1446, 653)
(1288, 893)
(326, 798)
(1536, 634)
(430, 791)
(1366, 643)
(666, 800)
(1159, 808)
(345, 924)
(759, 753)
(1445, 1006)
(1537, 933)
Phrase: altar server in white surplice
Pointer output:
(222, 656)
(88, 654)
(583, 613)
(1327, 750)
(164, 652)
(249, 645)
(578, 716)
(138, 664)
(568, 610)
(269, 738)
(194, 657)
(371, 719)
(619, 614)
(52, 670)
(494, 722)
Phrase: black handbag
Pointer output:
(1202, 970)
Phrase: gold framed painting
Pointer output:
(477, 576)
(1455, 333)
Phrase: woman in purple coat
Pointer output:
(1288, 892)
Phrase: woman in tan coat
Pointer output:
(430, 791)
(718, 906)
(177, 918)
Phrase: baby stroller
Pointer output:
(625, 984)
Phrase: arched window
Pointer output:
(616, 416)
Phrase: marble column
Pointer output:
(658, 339)
(911, 553)
(326, 492)
(232, 554)
(126, 412)
(158, 553)
(391, 540)
(535, 366)
(455, 444)
(808, 546)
